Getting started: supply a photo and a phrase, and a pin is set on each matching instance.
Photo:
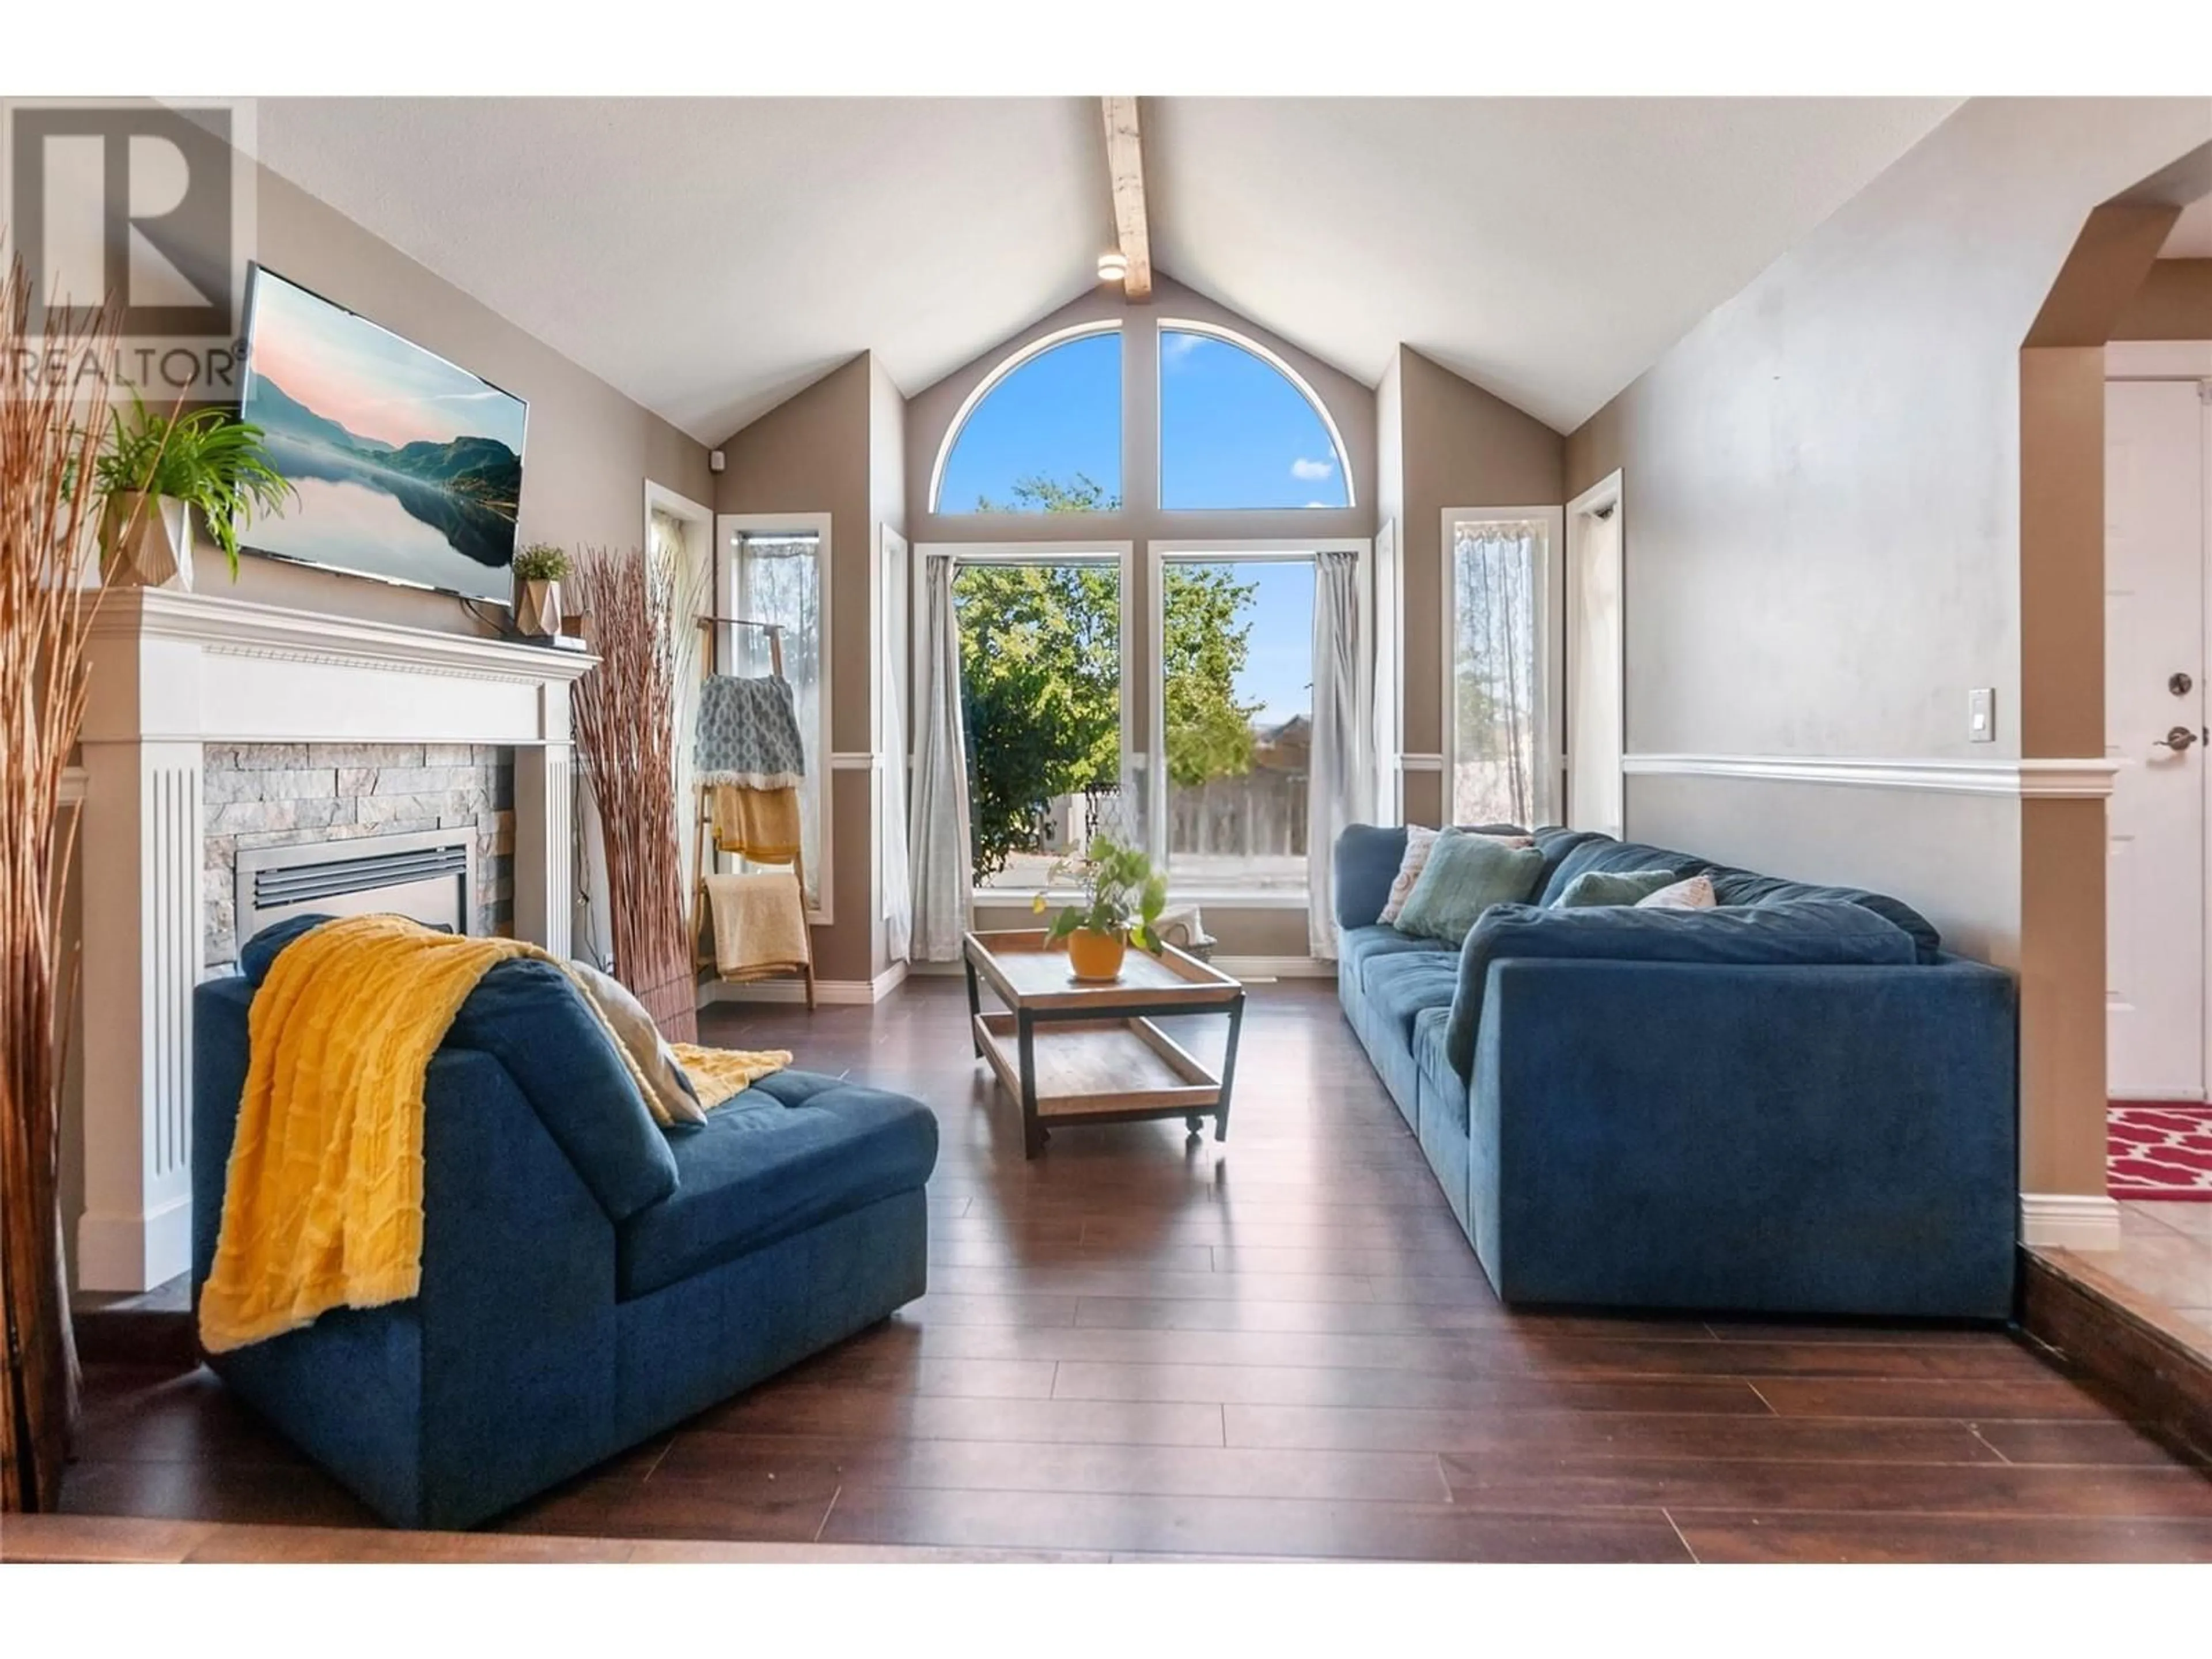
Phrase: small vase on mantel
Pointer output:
(145, 542)
(538, 609)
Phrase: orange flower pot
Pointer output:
(1096, 956)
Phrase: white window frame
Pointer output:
(1123, 556)
(1272, 549)
(1167, 326)
(723, 582)
(1551, 757)
(1015, 362)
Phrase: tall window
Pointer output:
(778, 576)
(1041, 699)
(1236, 431)
(1236, 720)
(1499, 737)
(1045, 436)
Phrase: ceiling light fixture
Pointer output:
(1113, 266)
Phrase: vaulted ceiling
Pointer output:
(2191, 236)
(711, 256)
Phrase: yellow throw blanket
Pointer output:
(323, 1204)
(762, 823)
(719, 1074)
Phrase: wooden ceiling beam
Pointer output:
(1125, 172)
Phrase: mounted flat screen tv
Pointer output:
(408, 468)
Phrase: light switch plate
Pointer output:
(1982, 714)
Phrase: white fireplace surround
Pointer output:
(170, 674)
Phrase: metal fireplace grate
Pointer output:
(427, 874)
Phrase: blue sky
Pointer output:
(1233, 432)
(1278, 665)
(1058, 414)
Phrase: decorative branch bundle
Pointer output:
(625, 713)
(51, 435)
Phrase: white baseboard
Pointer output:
(839, 993)
(2163, 1098)
(1276, 966)
(2069, 1221)
(134, 1251)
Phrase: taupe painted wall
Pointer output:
(1823, 540)
(1456, 445)
(589, 449)
(2174, 303)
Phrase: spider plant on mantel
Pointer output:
(156, 470)
(1123, 898)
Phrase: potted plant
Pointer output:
(539, 570)
(156, 469)
(1123, 896)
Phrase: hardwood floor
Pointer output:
(1279, 1346)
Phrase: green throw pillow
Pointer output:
(1464, 877)
(1612, 887)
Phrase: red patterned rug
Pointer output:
(2157, 1151)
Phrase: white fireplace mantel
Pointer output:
(170, 674)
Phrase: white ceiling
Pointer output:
(2192, 235)
(1549, 250)
(711, 256)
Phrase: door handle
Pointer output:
(2178, 739)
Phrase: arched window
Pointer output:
(1042, 434)
(1238, 428)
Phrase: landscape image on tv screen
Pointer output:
(408, 468)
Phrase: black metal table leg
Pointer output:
(1229, 1068)
(974, 1006)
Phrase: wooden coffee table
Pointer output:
(1075, 1052)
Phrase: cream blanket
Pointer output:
(760, 921)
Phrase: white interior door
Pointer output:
(2155, 556)
(1594, 673)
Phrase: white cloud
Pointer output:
(1302, 468)
(1318, 503)
(1175, 347)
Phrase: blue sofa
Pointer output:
(588, 1278)
(1797, 1103)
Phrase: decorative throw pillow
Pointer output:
(1465, 875)
(1418, 843)
(1612, 887)
(1694, 894)
(672, 1098)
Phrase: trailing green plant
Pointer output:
(210, 459)
(1123, 893)
(542, 561)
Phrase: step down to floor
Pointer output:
(2154, 1365)
(139, 1328)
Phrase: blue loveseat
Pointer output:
(1797, 1103)
(588, 1278)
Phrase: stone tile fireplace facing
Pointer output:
(258, 795)
(211, 724)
